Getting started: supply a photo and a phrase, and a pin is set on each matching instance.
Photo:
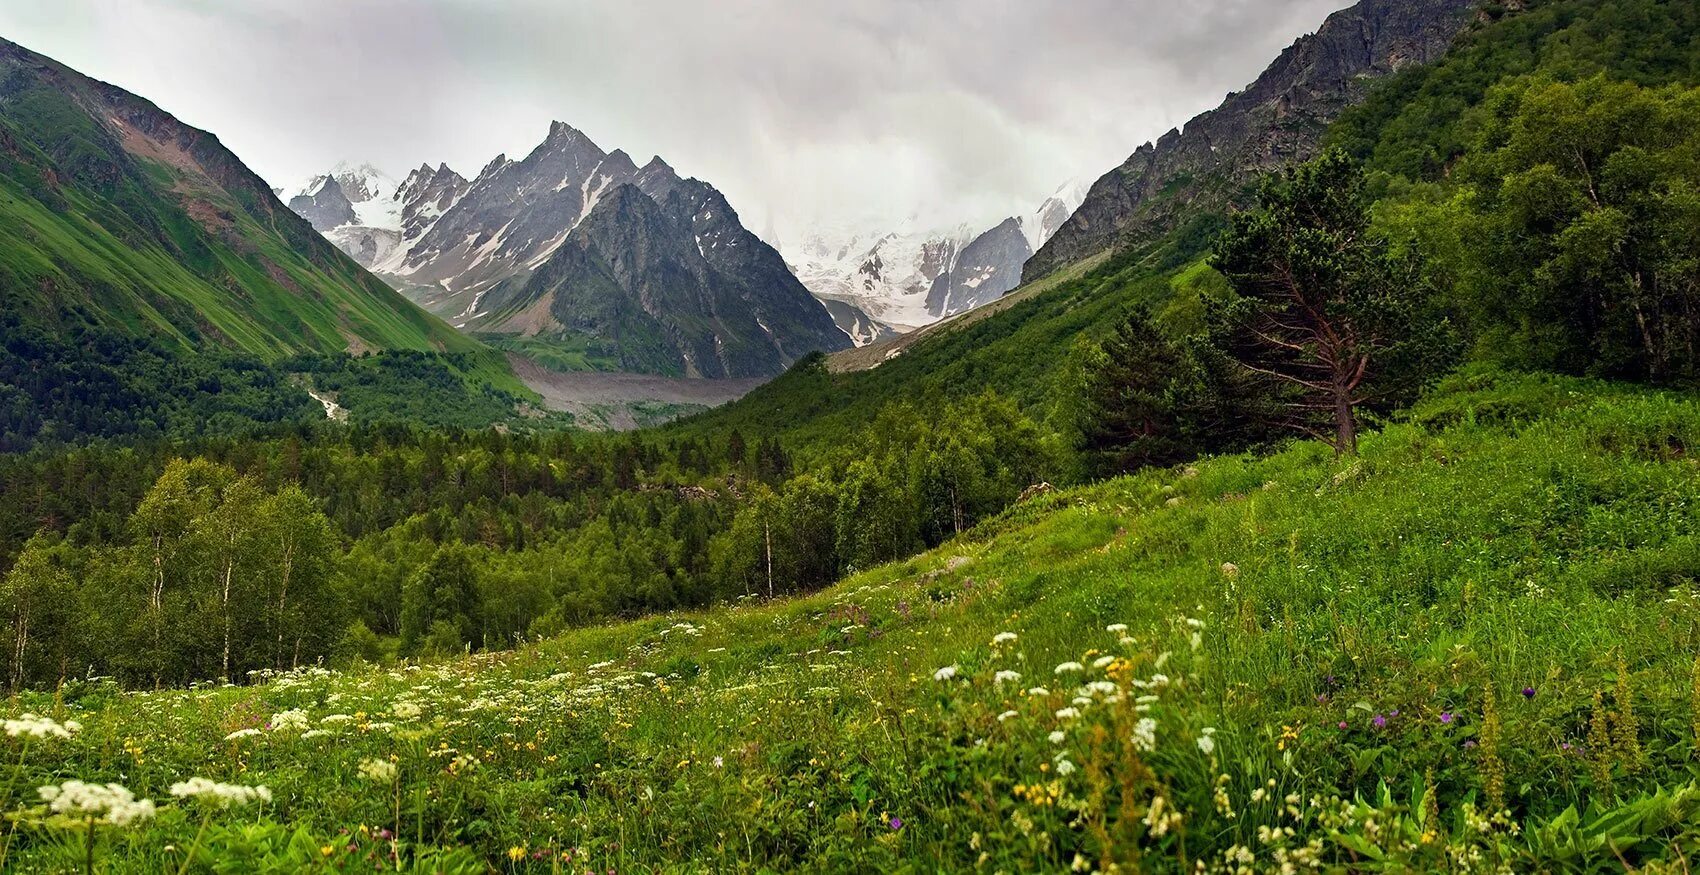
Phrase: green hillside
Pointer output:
(118, 216)
(152, 286)
(1375, 549)
(1473, 649)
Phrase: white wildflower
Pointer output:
(1145, 734)
(1207, 744)
(40, 727)
(293, 720)
(1066, 667)
(1007, 715)
(110, 802)
(406, 709)
(378, 771)
(1116, 628)
(242, 733)
(1103, 661)
(1064, 768)
(1058, 736)
(1003, 638)
(1006, 676)
(1038, 691)
(1067, 713)
(221, 795)
(945, 674)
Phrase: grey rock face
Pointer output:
(511, 217)
(663, 273)
(987, 267)
(425, 195)
(324, 205)
(1277, 121)
(854, 321)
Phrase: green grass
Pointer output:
(1352, 637)
(566, 352)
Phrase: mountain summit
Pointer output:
(583, 256)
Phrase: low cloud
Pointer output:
(806, 113)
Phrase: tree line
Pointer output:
(172, 563)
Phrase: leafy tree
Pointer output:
(299, 546)
(442, 595)
(1329, 317)
(1584, 228)
(166, 525)
(36, 598)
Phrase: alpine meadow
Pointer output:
(1318, 490)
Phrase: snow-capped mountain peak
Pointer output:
(908, 277)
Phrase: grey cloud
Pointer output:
(805, 112)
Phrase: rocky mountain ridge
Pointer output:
(660, 277)
(1277, 121)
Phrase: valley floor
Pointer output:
(1473, 649)
(625, 401)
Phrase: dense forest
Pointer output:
(1530, 202)
(368, 542)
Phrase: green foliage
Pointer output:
(98, 384)
(1327, 317)
(1149, 401)
(1586, 221)
(1294, 628)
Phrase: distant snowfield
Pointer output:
(889, 274)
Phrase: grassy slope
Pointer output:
(1524, 532)
(105, 226)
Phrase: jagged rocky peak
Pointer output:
(619, 165)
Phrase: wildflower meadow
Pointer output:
(1471, 650)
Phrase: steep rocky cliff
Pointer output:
(1278, 120)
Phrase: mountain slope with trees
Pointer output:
(1410, 133)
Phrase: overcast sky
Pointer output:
(804, 112)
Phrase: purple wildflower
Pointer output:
(1342, 725)
(1528, 692)
(1446, 717)
(1380, 722)
(896, 823)
(1470, 745)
